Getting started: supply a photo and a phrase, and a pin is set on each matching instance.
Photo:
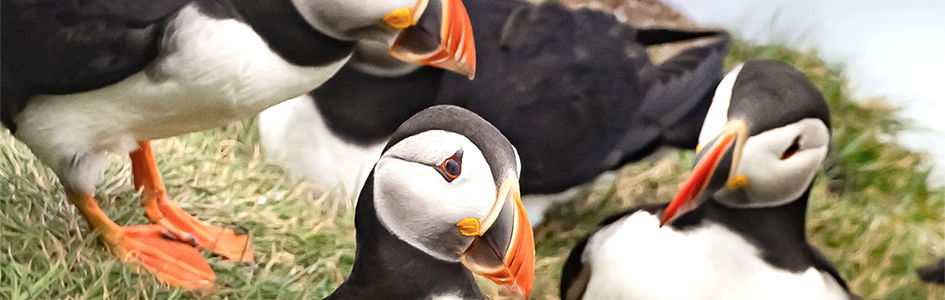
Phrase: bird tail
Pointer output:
(678, 92)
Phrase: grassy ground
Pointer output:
(871, 212)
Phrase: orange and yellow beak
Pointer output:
(436, 33)
(504, 247)
(690, 196)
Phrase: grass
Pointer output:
(871, 211)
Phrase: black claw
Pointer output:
(249, 264)
(169, 236)
(240, 231)
(188, 239)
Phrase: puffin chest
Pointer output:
(225, 66)
(634, 258)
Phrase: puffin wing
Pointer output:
(821, 263)
(574, 274)
(678, 94)
(60, 47)
(571, 73)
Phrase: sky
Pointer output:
(891, 49)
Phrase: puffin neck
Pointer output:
(289, 35)
(387, 267)
(778, 232)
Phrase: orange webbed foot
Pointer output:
(225, 242)
(147, 248)
(185, 228)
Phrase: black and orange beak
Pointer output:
(439, 35)
(504, 247)
(710, 156)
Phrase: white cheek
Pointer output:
(420, 207)
(774, 180)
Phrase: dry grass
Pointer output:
(303, 236)
(871, 212)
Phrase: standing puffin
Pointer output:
(442, 200)
(736, 228)
(83, 78)
(574, 90)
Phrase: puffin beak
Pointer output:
(690, 196)
(440, 36)
(504, 250)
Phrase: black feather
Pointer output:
(574, 90)
(60, 46)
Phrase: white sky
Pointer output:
(894, 49)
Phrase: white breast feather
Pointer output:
(634, 258)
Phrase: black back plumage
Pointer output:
(60, 47)
(574, 91)
(370, 115)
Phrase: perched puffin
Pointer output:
(736, 228)
(83, 78)
(442, 200)
(574, 90)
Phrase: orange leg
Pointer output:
(183, 226)
(146, 248)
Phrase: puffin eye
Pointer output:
(795, 146)
(452, 167)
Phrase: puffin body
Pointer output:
(213, 70)
(443, 200)
(736, 228)
(81, 79)
(574, 91)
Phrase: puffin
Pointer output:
(574, 90)
(81, 79)
(441, 203)
(736, 229)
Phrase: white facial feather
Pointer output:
(635, 258)
(776, 181)
(418, 205)
(352, 20)
(717, 116)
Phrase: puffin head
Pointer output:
(428, 32)
(763, 139)
(447, 184)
